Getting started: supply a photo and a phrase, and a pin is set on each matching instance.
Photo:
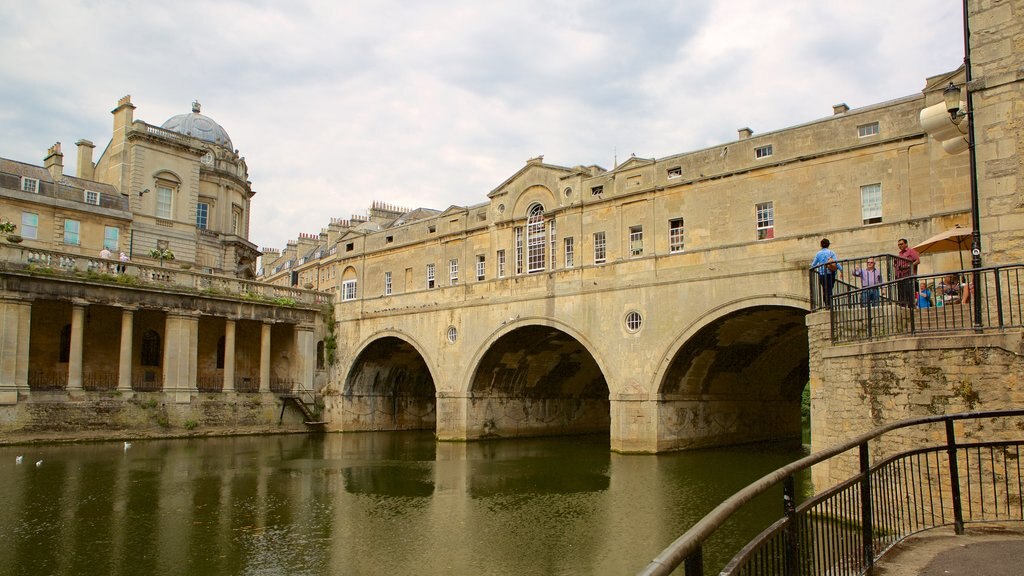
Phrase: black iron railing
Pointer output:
(850, 277)
(844, 529)
(210, 381)
(247, 384)
(966, 300)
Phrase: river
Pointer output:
(363, 503)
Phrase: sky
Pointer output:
(433, 103)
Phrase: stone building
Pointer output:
(179, 187)
(662, 299)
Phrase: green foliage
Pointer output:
(331, 340)
(805, 404)
(163, 421)
(283, 301)
(191, 424)
(7, 227)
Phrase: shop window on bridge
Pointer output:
(151, 347)
(600, 248)
(453, 272)
(481, 267)
(430, 276)
(765, 220)
(675, 235)
(348, 290)
(536, 239)
(636, 240)
(65, 344)
(871, 203)
(501, 263)
(570, 252)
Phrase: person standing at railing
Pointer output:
(905, 268)
(869, 276)
(122, 259)
(826, 264)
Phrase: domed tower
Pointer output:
(188, 188)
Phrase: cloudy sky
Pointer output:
(336, 103)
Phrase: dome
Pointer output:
(199, 126)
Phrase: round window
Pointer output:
(568, 192)
(501, 208)
(634, 321)
(453, 334)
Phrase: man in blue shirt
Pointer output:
(826, 265)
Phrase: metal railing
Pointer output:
(281, 385)
(850, 277)
(247, 384)
(845, 528)
(966, 300)
(210, 381)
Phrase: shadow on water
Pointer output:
(366, 503)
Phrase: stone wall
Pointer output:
(856, 388)
(47, 414)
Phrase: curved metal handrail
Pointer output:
(691, 541)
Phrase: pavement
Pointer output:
(983, 550)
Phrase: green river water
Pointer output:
(364, 503)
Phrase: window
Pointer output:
(236, 218)
(570, 256)
(763, 151)
(634, 321)
(675, 235)
(387, 283)
(519, 250)
(867, 130)
(92, 197)
(164, 201)
(765, 220)
(536, 239)
(149, 354)
(596, 190)
(389, 239)
(30, 185)
(202, 215)
(453, 271)
(675, 172)
(350, 246)
(871, 203)
(348, 290)
(453, 334)
(636, 240)
(431, 229)
(599, 247)
(554, 243)
(430, 276)
(501, 263)
(111, 237)
(30, 225)
(71, 228)
(481, 266)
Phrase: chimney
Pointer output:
(840, 108)
(86, 169)
(745, 133)
(123, 114)
(54, 162)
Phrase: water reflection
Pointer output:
(365, 503)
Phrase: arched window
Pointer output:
(65, 343)
(150, 349)
(536, 239)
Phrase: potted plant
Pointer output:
(164, 254)
(7, 228)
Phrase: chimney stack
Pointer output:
(54, 162)
(745, 133)
(840, 108)
(86, 169)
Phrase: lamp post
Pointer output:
(957, 113)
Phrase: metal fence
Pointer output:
(928, 303)
(844, 529)
(850, 278)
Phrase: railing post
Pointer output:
(867, 520)
(999, 298)
(792, 527)
(954, 478)
(694, 563)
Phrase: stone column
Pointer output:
(181, 355)
(265, 358)
(306, 346)
(15, 324)
(124, 365)
(229, 355)
(77, 346)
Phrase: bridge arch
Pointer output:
(735, 375)
(389, 386)
(536, 377)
